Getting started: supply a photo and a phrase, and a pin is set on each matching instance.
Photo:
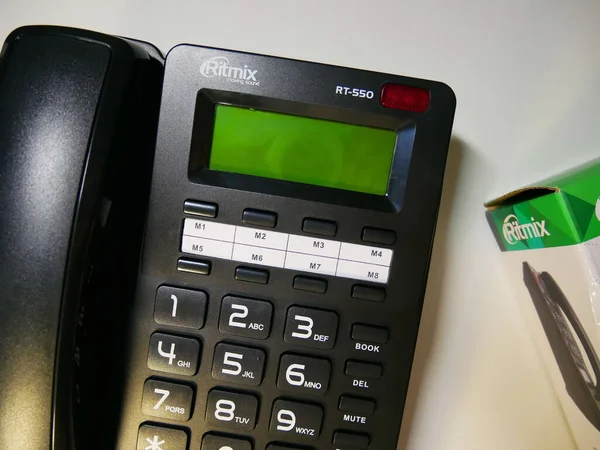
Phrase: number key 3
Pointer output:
(311, 327)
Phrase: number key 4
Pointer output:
(173, 354)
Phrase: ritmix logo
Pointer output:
(218, 66)
(514, 231)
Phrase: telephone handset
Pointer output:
(78, 113)
(285, 243)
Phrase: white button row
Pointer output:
(290, 260)
(290, 251)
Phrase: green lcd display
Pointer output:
(302, 149)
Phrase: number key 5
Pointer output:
(238, 364)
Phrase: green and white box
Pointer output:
(549, 234)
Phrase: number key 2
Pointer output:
(311, 327)
(238, 364)
(245, 317)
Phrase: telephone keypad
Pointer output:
(167, 400)
(238, 364)
(173, 354)
(231, 409)
(150, 436)
(304, 374)
(311, 327)
(245, 317)
(180, 307)
(215, 442)
(301, 420)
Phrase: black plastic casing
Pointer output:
(78, 113)
(180, 173)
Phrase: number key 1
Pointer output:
(180, 307)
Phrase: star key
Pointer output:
(155, 444)
(151, 437)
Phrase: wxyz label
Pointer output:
(305, 431)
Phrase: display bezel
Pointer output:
(202, 134)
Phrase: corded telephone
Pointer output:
(567, 339)
(253, 279)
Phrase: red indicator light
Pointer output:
(406, 98)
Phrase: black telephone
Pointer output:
(557, 316)
(223, 251)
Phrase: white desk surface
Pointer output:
(527, 77)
